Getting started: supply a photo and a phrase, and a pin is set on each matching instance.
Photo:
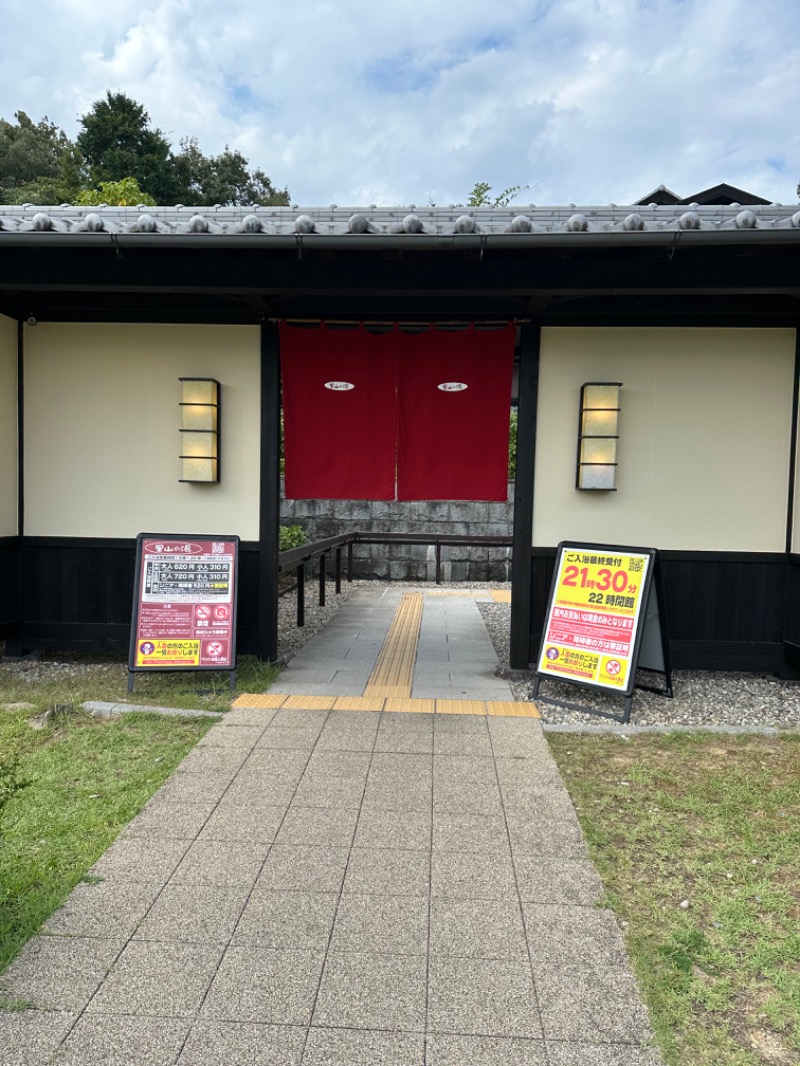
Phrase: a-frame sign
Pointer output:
(606, 619)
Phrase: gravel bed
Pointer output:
(701, 698)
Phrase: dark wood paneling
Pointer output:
(725, 610)
(9, 597)
(77, 594)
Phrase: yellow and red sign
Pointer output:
(593, 620)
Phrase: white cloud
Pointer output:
(352, 102)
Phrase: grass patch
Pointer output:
(73, 679)
(83, 780)
(713, 821)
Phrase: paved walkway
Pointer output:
(325, 887)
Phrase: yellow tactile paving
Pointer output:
(394, 703)
(501, 595)
(260, 701)
(460, 707)
(410, 706)
(512, 709)
(394, 669)
(309, 703)
(358, 703)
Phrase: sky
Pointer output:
(359, 102)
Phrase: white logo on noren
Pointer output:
(452, 386)
(339, 386)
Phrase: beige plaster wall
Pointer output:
(8, 427)
(704, 445)
(101, 429)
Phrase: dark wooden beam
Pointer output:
(269, 495)
(530, 343)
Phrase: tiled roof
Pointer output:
(396, 222)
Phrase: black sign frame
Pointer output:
(653, 585)
(181, 538)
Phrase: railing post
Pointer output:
(350, 561)
(438, 562)
(301, 595)
(322, 559)
(338, 570)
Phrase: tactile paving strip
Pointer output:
(394, 670)
(506, 708)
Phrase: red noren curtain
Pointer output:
(340, 413)
(454, 401)
(431, 408)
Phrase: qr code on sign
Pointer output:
(635, 566)
(217, 547)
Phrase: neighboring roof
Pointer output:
(717, 195)
(377, 225)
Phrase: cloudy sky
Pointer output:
(400, 102)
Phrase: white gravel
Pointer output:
(701, 698)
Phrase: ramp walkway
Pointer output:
(335, 884)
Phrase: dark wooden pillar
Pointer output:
(523, 497)
(269, 494)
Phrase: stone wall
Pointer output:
(412, 562)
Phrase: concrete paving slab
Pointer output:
(293, 739)
(477, 929)
(336, 764)
(557, 880)
(361, 1047)
(287, 921)
(219, 760)
(592, 1006)
(364, 991)
(318, 826)
(381, 925)
(244, 1044)
(479, 798)
(484, 997)
(133, 858)
(392, 796)
(222, 862)
(393, 829)
(117, 1040)
(552, 804)
(388, 872)
(465, 768)
(451, 1050)
(574, 1054)
(573, 936)
(107, 910)
(303, 869)
(256, 984)
(30, 1037)
(248, 717)
(453, 831)
(471, 875)
(462, 744)
(193, 914)
(339, 792)
(544, 837)
(158, 980)
(168, 821)
(195, 788)
(242, 739)
(235, 821)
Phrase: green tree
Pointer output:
(125, 193)
(118, 142)
(224, 179)
(38, 162)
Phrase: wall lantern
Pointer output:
(598, 436)
(200, 429)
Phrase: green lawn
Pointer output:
(86, 778)
(711, 822)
